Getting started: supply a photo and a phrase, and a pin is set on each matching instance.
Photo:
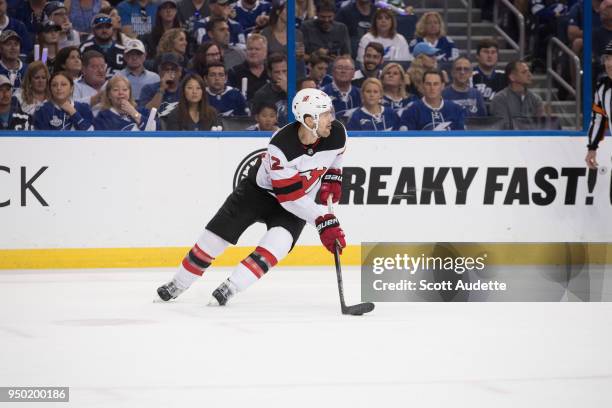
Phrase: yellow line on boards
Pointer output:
(316, 255)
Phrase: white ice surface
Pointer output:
(283, 343)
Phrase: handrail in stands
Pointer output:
(520, 47)
(576, 91)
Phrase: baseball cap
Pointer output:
(134, 45)
(101, 19)
(170, 58)
(5, 81)
(6, 34)
(50, 26)
(162, 2)
(52, 7)
(424, 48)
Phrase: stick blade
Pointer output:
(359, 309)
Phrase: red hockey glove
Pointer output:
(331, 183)
(329, 230)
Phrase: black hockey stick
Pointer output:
(355, 310)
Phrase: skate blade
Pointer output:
(213, 302)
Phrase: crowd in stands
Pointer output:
(195, 64)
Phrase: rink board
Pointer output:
(108, 202)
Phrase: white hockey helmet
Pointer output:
(311, 102)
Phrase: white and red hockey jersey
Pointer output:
(292, 171)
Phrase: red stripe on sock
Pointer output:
(192, 268)
(266, 254)
(201, 255)
(253, 267)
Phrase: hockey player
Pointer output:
(600, 118)
(280, 191)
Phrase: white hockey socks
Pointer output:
(207, 248)
(273, 247)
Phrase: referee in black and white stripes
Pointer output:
(602, 109)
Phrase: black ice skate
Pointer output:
(223, 293)
(169, 291)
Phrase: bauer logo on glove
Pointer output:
(331, 183)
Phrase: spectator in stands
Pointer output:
(574, 27)
(34, 90)
(190, 11)
(81, 12)
(174, 40)
(265, 115)
(433, 112)
(193, 111)
(318, 65)
(424, 59)
(394, 81)
(460, 91)
(10, 64)
(431, 29)
(59, 112)
(373, 115)
(275, 91)
(48, 38)
(103, 43)
(135, 71)
(325, 33)
(345, 97)
(118, 36)
(486, 78)
(228, 101)
(253, 69)
(304, 10)
(207, 53)
(516, 100)
(545, 14)
(276, 32)
(118, 110)
(357, 16)
(372, 63)
(136, 16)
(303, 83)
(219, 9)
(601, 111)
(602, 35)
(89, 88)
(252, 14)
(31, 14)
(56, 11)
(11, 115)
(21, 31)
(166, 18)
(69, 60)
(383, 30)
(164, 95)
(218, 30)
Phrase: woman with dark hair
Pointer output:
(276, 32)
(165, 19)
(119, 37)
(34, 89)
(69, 60)
(207, 53)
(59, 112)
(383, 31)
(192, 111)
